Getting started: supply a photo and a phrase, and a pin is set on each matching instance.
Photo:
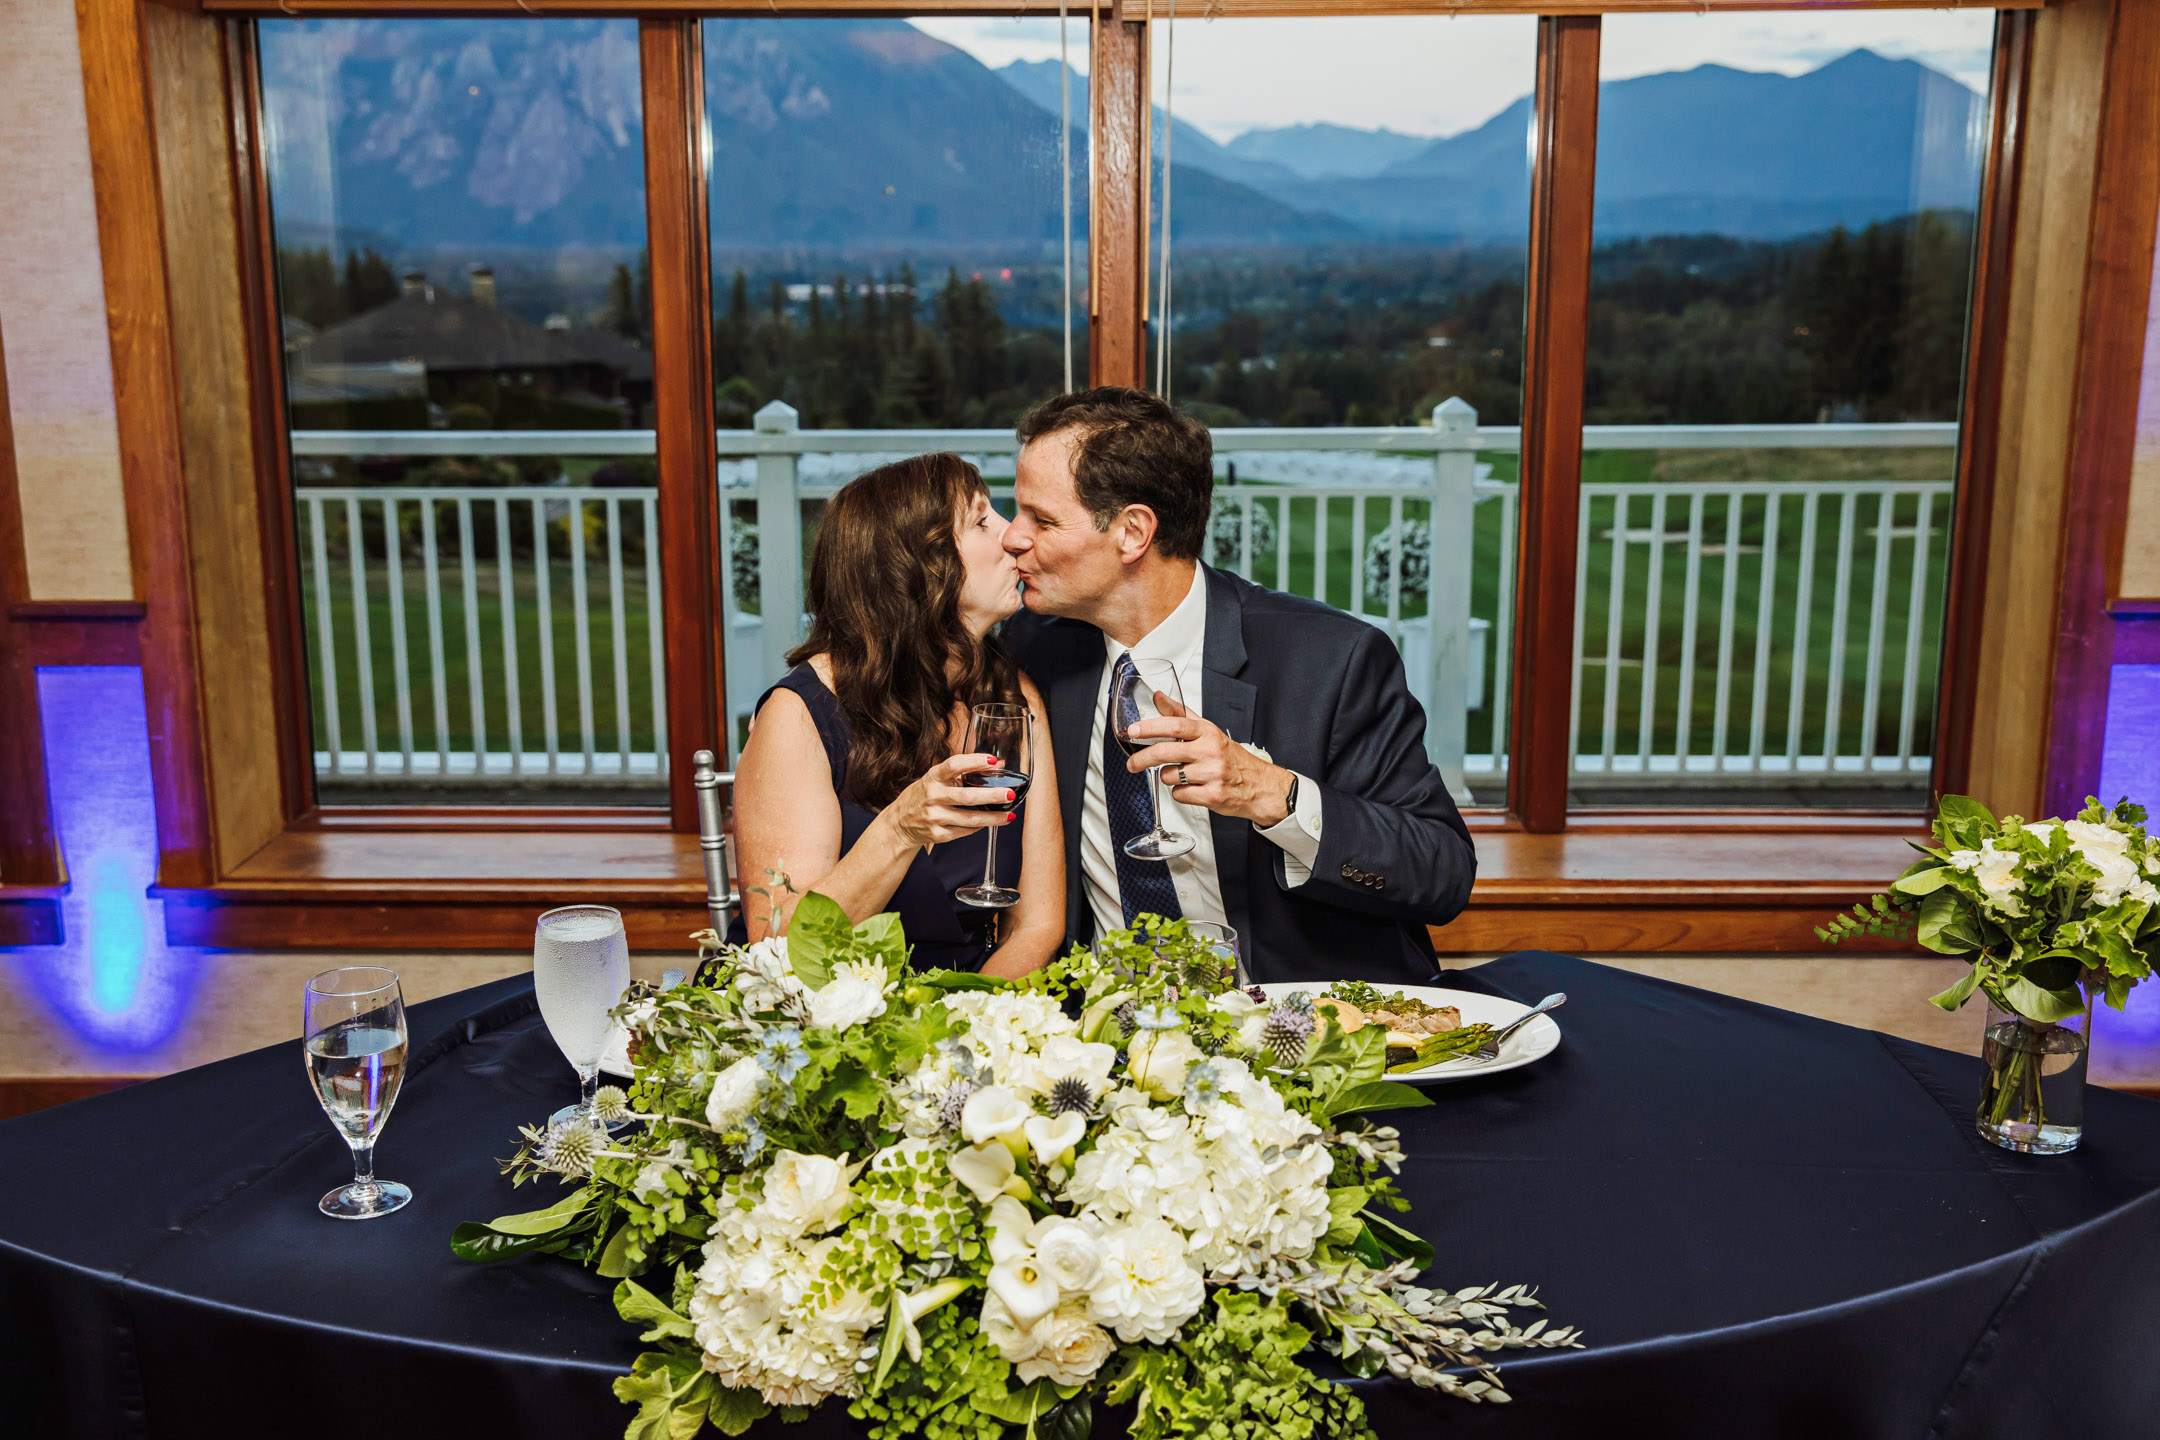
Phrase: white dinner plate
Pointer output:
(1533, 1042)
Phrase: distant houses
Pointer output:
(434, 359)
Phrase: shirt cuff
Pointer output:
(1298, 834)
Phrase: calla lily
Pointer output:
(994, 1113)
(1009, 1226)
(984, 1169)
(1027, 1292)
(1051, 1138)
(1097, 1017)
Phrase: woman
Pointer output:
(908, 578)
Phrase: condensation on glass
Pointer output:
(463, 285)
(1782, 257)
(1349, 203)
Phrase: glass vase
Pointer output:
(2032, 1080)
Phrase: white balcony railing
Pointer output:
(1755, 630)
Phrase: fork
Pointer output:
(1488, 1052)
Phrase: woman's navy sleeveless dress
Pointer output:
(944, 934)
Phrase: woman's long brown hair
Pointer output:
(885, 581)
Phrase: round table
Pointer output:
(1765, 1224)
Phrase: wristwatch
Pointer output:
(1290, 799)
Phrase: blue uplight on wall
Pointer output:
(115, 983)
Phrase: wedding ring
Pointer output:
(1181, 780)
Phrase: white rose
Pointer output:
(1156, 1061)
(806, 1192)
(1146, 1290)
(984, 1169)
(1067, 1252)
(1026, 1288)
(992, 1113)
(764, 975)
(1009, 1226)
(734, 1093)
(852, 996)
(1007, 1336)
(1070, 1348)
(1051, 1138)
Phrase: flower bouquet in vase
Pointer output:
(2052, 914)
(958, 1205)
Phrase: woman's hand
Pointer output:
(938, 807)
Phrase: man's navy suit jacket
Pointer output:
(1323, 692)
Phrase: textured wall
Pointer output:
(52, 306)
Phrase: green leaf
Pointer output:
(543, 1222)
(882, 936)
(895, 1339)
(1367, 1247)
(2035, 1003)
(670, 1392)
(1924, 882)
(1343, 1206)
(852, 1086)
(1018, 1407)
(640, 1306)
(958, 980)
(1397, 1241)
(615, 1262)
(818, 928)
(1945, 926)
(1068, 1420)
(1958, 809)
(475, 1241)
(1377, 1095)
(734, 1411)
(2054, 970)
(1957, 994)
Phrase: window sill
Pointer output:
(1732, 885)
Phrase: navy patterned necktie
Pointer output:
(1144, 886)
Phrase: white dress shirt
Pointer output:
(1181, 639)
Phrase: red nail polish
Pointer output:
(1012, 815)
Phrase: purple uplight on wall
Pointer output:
(2126, 1044)
(115, 983)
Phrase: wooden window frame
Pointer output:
(396, 877)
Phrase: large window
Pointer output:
(1782, 256)
(460, 233)
(1324, 227)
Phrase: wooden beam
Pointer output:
(2103, 436)
(676, 231)
(29, 854)
(1139, 9)
(131, 246)
(1118, 212)
(1980, 414)
(1555, 335)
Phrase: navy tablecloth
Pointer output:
(1766, 1224)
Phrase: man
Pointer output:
(1325, 837)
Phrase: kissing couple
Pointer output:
(1295, 760)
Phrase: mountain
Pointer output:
(1327, 152)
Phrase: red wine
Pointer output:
(1135, 745)
(1012, 780)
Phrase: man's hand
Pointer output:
(1204, 767)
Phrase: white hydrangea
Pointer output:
(1148, 1286)
(1211, 1174)
(754, 1319)
(1007, 1030)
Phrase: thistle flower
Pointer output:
(610, 1106)
(954, 1102)
(1126, 1019)
(570, 1149)
(1298, 1000)
(1072, 1096)
(1287, 1032)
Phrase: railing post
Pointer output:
(779, 543)
(1454, 531)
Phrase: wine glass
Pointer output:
(353, 1021)
(581, 965)
(1133, 690)
(1222, 940)
(1008, 732)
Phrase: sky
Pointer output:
(1437, 75)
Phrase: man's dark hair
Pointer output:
(1133, 449)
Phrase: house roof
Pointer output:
(453, 332)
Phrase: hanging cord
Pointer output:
(1162, 305)
(1065, 189)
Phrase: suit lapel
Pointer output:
(1228, 700)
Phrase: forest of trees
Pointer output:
(311, 286)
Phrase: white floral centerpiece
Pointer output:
(946, 1202)
(2051, 913)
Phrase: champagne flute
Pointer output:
(1132, 700)
(353, 1021)
(1008, 732)
(581, 965)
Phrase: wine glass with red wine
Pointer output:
(1007, 732)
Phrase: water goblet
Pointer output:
(581, 966)
(353, 1024)
(1223, 941)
